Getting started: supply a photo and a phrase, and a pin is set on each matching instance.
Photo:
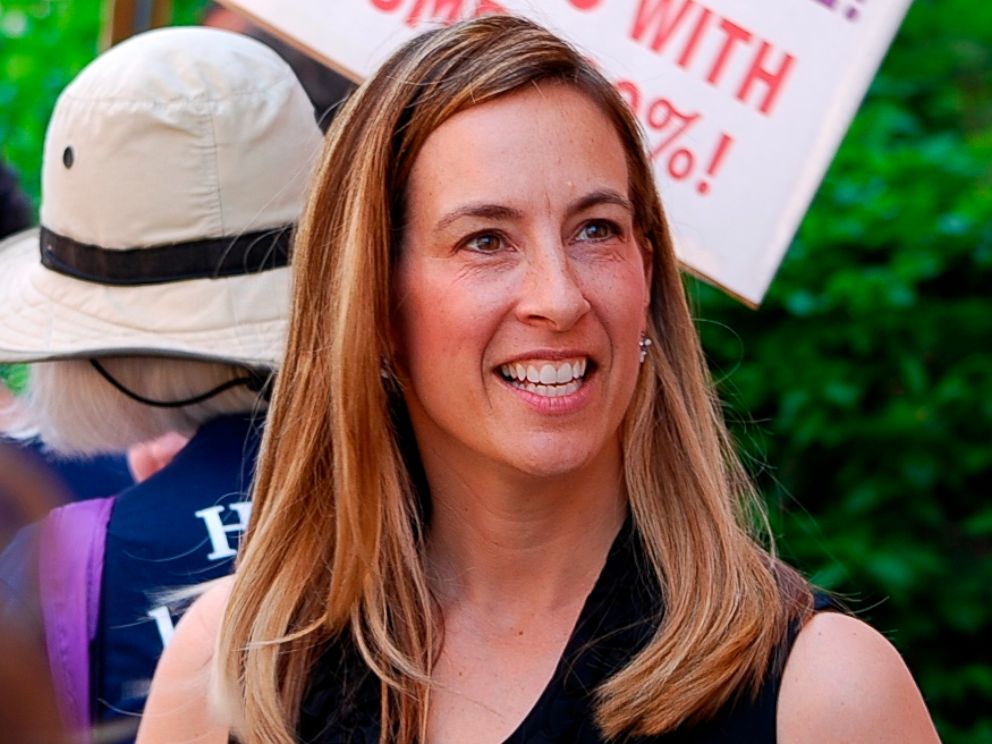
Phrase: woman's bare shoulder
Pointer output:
(181, 706)
(845, 682)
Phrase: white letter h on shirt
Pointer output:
(218, 531)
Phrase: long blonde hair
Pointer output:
(335, 546)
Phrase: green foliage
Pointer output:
(31, 34)
(862, 388)
(13, 377)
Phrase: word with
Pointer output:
(663, 118)
(658, 23)
(440, 11)
(851, 11)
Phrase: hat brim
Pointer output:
(45, 315)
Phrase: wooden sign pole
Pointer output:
(125, 18)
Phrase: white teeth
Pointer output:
(547, 379)
(545, 373)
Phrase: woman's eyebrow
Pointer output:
(491, 211)
(482, 209)
(600, 196)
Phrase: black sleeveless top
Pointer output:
(621, 613)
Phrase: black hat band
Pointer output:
(213, 258)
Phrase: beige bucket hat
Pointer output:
(175, 166)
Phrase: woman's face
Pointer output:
(521, 289)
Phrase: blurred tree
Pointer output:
(861, 391)
(13, 377)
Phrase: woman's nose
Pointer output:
(551, 295)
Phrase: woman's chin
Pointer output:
(559, 457)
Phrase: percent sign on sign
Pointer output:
(663, 118)
(668, 126)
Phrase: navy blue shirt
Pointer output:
(90, 477)
(178, 528)
(81, 477)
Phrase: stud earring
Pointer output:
(644, 344)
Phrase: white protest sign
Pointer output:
(743, 102)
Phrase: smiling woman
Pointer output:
(496, 500)
(523, 255)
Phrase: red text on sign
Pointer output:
(439, 11)
(750, 64)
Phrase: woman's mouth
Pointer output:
(549, 379)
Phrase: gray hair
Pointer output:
(75, 411)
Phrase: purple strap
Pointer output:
(70, 567)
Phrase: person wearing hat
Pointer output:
(153, 299)
(30, 480)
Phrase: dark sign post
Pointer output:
(125, 18)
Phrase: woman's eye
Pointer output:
(484, 243)
(597, 230)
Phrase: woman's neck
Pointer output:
(510, 544)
